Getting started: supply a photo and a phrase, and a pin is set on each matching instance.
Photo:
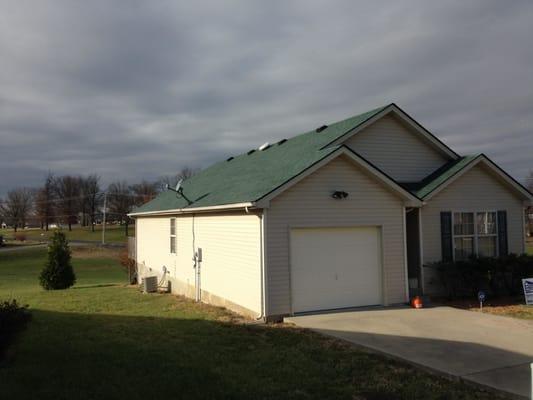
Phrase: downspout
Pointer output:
(262, 223)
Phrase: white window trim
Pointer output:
(476, 236)
(173, 236)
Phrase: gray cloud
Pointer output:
(135, 89)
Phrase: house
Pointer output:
(342, 216)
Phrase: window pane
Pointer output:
(172, 226)
(463, 223)
(464, 248)
(487, 246)
(486, 223)
(173, 245)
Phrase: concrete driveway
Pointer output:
(482, 348)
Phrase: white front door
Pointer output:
(335, 268)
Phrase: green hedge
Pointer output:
(499, 276)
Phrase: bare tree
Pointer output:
(17, 207)
(120, 202)
(67, 189)
(144, 192)
(44, 201)
(93, 196)
(183, 174)
(186, 173)
(82, 203)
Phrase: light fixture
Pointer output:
(339, 194)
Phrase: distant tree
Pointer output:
(17, 207)
(44, 201)
(82, 204)
(92, 196)
(144, 192)
(58, 272)
(68, 192)
(120, 202)
(183, 174)
(187, 172)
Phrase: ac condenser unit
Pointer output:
(149, 284)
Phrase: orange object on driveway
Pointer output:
(416, 302)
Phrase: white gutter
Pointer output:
(262, 222)
(194, 209)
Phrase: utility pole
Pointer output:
(103, 219)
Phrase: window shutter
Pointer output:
(502, 233)
(446, 236)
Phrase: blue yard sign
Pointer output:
(528, 290)
(481, 296)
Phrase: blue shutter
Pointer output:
(446, 236)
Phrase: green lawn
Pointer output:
(114, 233)
(103, 340)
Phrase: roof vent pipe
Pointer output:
(264, 146)
(323, 127)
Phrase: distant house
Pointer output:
(342, 216)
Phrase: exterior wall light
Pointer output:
(339, 195)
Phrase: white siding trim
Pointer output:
(421, 248)
(193, 210)
(404, 211)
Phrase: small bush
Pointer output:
(58, 272)
(129, 265)
(20, 236)
(13, 318)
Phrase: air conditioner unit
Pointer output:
(149, 284)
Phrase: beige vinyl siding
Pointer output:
(395, 149)
(309, 204)
(476, 190)
(230, 242)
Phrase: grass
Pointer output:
(102, 339)
(113, 234)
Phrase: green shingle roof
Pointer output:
(423, 188)
(250, 177)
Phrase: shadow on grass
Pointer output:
(101, 285)
(93, 356)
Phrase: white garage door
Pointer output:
(335, 268)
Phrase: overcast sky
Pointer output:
(138, 89)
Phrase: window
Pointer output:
(487, 234)
(474, 234)
(172, 235)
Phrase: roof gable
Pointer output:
(408, 121)
(446, 175)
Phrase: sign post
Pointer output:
(481, 297)
(528, 290)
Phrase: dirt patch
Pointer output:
(505, 306)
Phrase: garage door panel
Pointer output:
(335, 268)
